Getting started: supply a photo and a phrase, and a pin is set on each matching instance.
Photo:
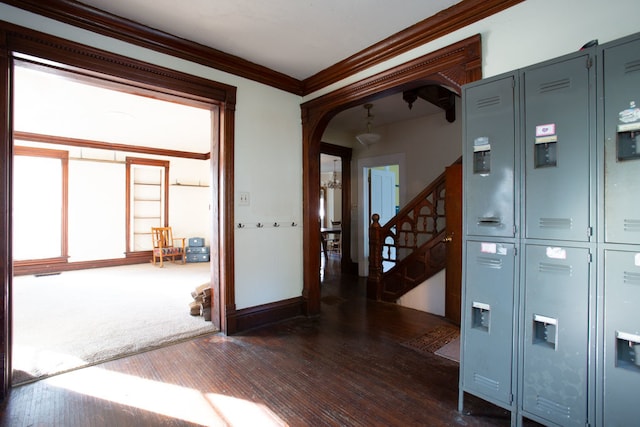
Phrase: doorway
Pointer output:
(451, 67)
(75, 208)
(341, 206)
(384, 200)
(60, 54)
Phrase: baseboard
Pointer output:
(35, 267)
(253, 317)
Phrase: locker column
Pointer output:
(557, 323)
(490, 271)
(619, 371)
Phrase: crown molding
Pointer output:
(447, 21)
(89, 18)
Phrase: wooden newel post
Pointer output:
(374, 281)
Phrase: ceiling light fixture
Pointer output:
(368, 138)
(334, 183)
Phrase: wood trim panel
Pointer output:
(76, 142)
(451, 66)
(90, 63)
(83, 16)
(260, 315)
(56, 265)
(6, 225)
(95, 20)
(458, 16)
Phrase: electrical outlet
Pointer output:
(243, 200)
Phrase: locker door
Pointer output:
(622, 142)
(489, 305)
(557, 150)
(556, 331)
(489, 158)
(621, 337)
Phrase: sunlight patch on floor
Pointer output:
(166, 399)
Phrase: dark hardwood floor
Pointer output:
(346, 367)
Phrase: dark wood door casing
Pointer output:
(453, 209)
(346, 265)
(452, 66)
(166, 84)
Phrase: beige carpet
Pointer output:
(78, 318)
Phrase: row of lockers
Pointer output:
(547, 132)
(551, 280)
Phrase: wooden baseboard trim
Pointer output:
(51, 268)
(253, 317)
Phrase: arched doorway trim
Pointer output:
(452, 66)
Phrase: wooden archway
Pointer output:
(452, 67)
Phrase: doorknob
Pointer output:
(448, 238)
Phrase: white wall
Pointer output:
(527, 33)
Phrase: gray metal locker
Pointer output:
(489, 321)
(489, 144)
(621, 338)
(558, 99)
(622, 142)
(555, 340)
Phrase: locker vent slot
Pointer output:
(556, 223)
(552, 407)
(544, 267)
(632, 67)
(555, 85)
(632, 225)
(631, 278)
(486, 382)
(489, 262)
(488, 102)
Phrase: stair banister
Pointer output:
(409, 238)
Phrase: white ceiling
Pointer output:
(296, 37)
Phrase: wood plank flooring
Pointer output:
(343, 368)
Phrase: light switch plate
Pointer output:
(243, 199)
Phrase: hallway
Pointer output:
(345, 367)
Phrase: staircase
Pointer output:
(411, 247)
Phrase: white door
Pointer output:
(382, 187)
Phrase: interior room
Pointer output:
(345, 144)
(87, 201)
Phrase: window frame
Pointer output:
(63, 156)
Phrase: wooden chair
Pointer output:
(335, 240)
(166, 246)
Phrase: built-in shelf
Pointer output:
(179, 184)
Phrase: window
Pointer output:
(40, 204)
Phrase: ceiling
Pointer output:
(298, 38)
